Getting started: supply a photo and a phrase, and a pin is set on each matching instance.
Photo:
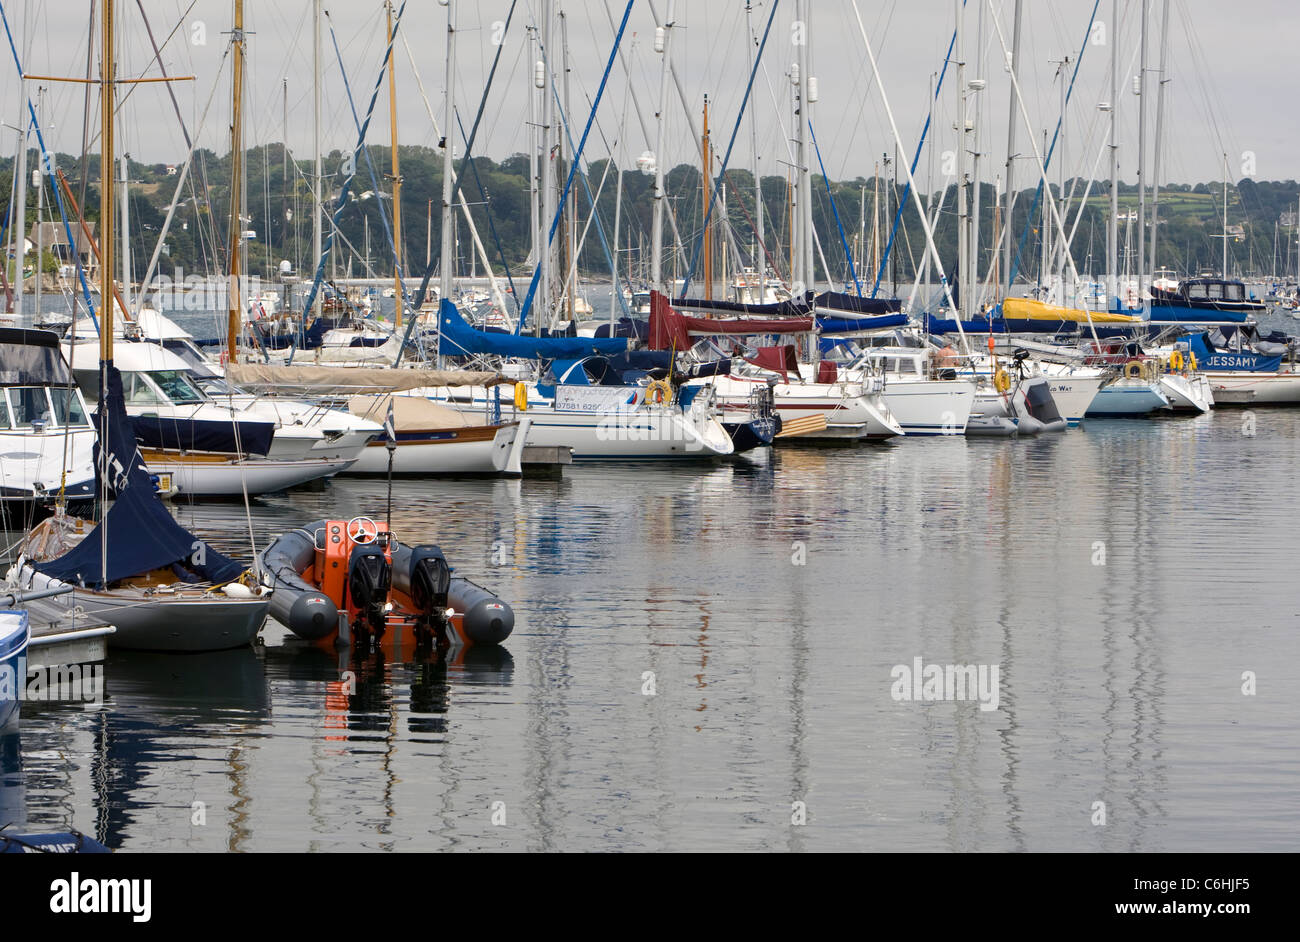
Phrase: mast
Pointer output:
(445, 259)
(233, 294)
(1225, 216)
(547, 184)
(704, 202)
(38, 178)
(663, 36)
(534, 189)
(106, 223)
(1009, 198)
(807, 272)
(758, 183)
(397, 171)
(571, 209)
(316, 175)
(124, 163)
(1142, 151)
(1112, 227)
(963, 195)
(18, 228)
(1160, 127)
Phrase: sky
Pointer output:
(1230, 79)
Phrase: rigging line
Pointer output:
(586, 182)
(835, 211)
(469, 149)
(48, 160)
(726, 159)
(365, 151)
(341, 202)
(573, 167)
(492, 226)
(1047, 161)
(916, 157)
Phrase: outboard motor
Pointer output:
(369, 577)
(430, 580)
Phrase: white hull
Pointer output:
(482, 450)
(194, 476)
(931, 407)
(33, 465)
(1187, 393)
(646, 432)
(1231, 387)
(1128, 397)
(851, 412)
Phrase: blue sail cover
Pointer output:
(153, 431)
(853, 325)
(460, 339)
(138, 534)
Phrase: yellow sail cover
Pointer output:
(1030, 310)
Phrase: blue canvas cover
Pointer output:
(460, 339)
(853, 325)
(138, 532)
(203, 435)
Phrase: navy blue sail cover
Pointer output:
(138, 534)
(254, 438)
(460, 339)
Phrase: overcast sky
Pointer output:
(1232, 72)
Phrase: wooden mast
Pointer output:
(397, 173)
(233, 293)
(106, 222)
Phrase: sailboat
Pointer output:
(137, 568)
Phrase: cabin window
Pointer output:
(908, 367)
(177, 387)
(1234, 292)
(138, 391)
(1216, 291)
(1196, 292)
(68, 410)
(29, 404)
(88, 383)
(4, 413)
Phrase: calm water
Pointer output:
(1119, 682)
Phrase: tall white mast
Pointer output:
(1112, 228)
(1160, 125)
(1142, 151)
(663, 45)
(759, 267)
(1012, 124)
(807, 272)
(547, 182)
(448, 154)
(963, 196)
(316, 173)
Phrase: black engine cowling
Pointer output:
(369, 577)
(430, 580)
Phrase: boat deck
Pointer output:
(64, 635)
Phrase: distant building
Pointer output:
(53, 237)
(171, 170)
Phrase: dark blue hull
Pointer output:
(756, 433)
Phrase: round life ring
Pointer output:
(1133, 369)
(658, 392)
(1176, 361)
(1001, 380)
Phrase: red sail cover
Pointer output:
(669, 329)
(777, 359)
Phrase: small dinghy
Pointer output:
(350, 581)
(14, 636)
(65, 842)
